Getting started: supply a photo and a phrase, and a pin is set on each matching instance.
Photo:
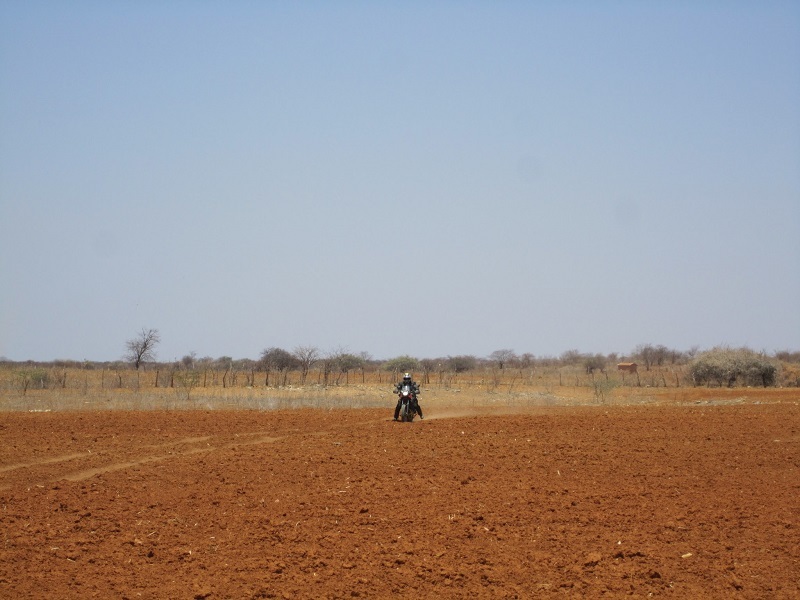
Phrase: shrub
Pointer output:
(31, 379)
(401, 363)
(726, 366)
(788, 356)
(462, 363)
(594, 362)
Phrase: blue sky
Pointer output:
(423, 178)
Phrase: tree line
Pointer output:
(718, 366)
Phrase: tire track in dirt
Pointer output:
(178, 448)
(89, 473)
(43, 461)
(257, 438)
(187, 446)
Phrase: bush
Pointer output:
(462, 363)
(726, 366)
(594, 362)
(790, 375)
(401, 363)
(32, 379)
(788, 356)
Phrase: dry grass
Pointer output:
(78, 389)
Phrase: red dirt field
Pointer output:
(698, 501)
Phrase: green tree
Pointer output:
(278, 359)
(347, 362)
(401, 363)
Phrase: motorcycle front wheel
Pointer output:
(406, 414)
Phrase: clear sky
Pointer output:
(423, 178)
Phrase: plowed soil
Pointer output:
(699, 501)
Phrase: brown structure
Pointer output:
(629, 367)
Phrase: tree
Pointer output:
(346, 362)
(594, 362)
(306, 357)
(31, 377)
(330, 363)
(188, 379)
(462, 363)
(428, 366)
(571, 357)
(646, 353)
(279, 360)
(651, 355)
(142, 348)
(526, 361)
(189, 359)
(401, 363)
(502, 357)
(366, 363)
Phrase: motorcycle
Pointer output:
(408, 403)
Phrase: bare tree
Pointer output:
(646, 353)
(571, 357)
(306, 356)
(366, 362)
(502, 357)
(526, 361)
(428, 366)
(142, 348)
(189, 359)
(328, 364)
(661, 354)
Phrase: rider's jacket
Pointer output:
(414, 387)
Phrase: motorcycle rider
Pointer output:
(414, 390)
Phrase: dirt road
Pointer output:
(647, 501)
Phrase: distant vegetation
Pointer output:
(658, 366)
